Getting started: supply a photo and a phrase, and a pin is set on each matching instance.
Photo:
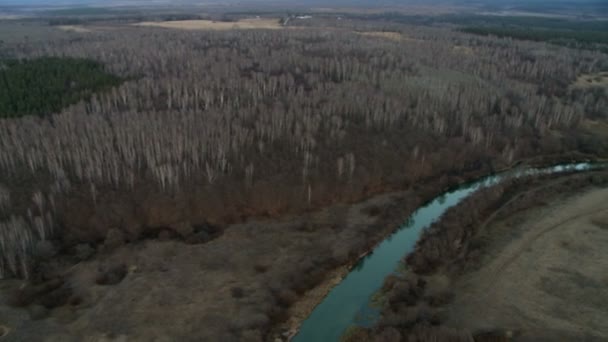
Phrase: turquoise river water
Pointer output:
(349, 303)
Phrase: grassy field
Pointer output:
(244, 24)
(74, 28)
(536, 276)
(27, 30)
(388, 35)
(592, 80)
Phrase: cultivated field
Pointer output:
(244, 24)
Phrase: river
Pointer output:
(349, 303)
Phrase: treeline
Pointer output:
(574, 39)
(573, 33)
(66, 21)
(47, 85)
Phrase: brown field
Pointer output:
(404, 9)
(395, 36)
(464, 50)
(544, 274)
(598, 128)
(245, 24)
(589, 80)
(74, 28)
(388, 35)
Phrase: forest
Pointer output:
(291, 118)
(46, 85)
(590, 40)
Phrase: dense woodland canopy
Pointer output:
(217, 125)
(592, 40)
(46, 85)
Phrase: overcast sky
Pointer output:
(328, 2)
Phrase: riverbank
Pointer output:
(260, 273)
(430, 299)
(235, 287)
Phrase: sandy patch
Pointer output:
(599, 79)
(74, 28)
(303, 307)
(245, 24)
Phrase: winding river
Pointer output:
(349, 303)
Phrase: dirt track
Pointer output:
(545, 277)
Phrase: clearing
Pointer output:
(74, 28)
(244, 24)
(599, 79)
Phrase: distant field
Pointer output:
(32, 31)
(395, 36)
(388, 35)
(245, 24)
(598, 79)
(82, 11)
(73, 28)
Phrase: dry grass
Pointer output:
(409, 9)
(11, 17)
(4, 330)
(596, 127)
(537, 272)
(388, 35)
(74, 28)
(245, 24)
(599, 79)
(395, 36)
(465, 50)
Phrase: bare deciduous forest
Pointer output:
(275, 120)
(210, 128)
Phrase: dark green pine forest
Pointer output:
(46, 85)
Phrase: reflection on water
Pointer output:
(349, 302)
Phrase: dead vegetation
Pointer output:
(396, 36)
(210, 291)
(74, 28)
(267, 122)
